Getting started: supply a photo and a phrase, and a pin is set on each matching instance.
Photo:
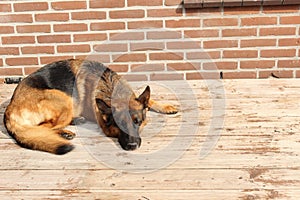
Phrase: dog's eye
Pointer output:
(137, 121)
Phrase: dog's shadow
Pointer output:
(3, 130)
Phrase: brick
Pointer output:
(107, 4)
(257, 64)
(121, 14)
(88, 15)
(239, 75)
(275, 53)
(290, 20)
(258, 42)
(166, 56)
(6, 29)
(280, 9)
(16, 18)
(118, 67)
(145, 24)
(145, 46)
(231, 3)
(104, 26)
(18, 40)
(1, 62)
(49, 59)
(203, 12)
(49, 17)
(297, 74)
(54, 39)
(289, 63)
(239, 32)
(37, 50)
(183, 23)
(74, 48)
(240, 54)
(102, 58)
(9, 51)
(5, 7)
(183, 66)
(291, 2)
(89, 37)
(202, 75)
(249, 10)
(277, 31)
(253, 3)
(111, 47)
(289, 42)
(255, 21)
(132, 57)
(144, 3)
(34, 29)
(9, 71)
(212, 3)
(68, 5)
(32, 6)
(70, 27)
(126, 36)
(147, 67)
(21, 61)
(229, 65)
(203, 55)
(166, 76)
(276, 73)
(183, 45)
(173, 2)
(30, 70)
(220, 44)
(201, 33)
(220, 22)
(164, 13)
(271, 2)
(163, 35)
(135, 77)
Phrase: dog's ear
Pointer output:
(103, 107)
(105, 110)
(145, 97)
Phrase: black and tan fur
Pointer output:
(48, 100)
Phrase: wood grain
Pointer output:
(256, 154)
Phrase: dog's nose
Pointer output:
(132, 146)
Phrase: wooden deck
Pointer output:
(240, 144)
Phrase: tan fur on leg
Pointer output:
(162, 108)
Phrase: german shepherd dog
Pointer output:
(54, 96)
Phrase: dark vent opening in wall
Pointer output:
(12, 80)
(236, 3)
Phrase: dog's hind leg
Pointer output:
(39, 124)
(162, 108)
(62, 113)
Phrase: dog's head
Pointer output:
(125, 119)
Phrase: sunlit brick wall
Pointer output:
(151, 40)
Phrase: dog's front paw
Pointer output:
(169, 109)
(69, 135)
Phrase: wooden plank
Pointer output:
(230, 152)
(151, 194)
(193, 179)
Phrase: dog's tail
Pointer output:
(39, 138)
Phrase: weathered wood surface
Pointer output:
(256, 154)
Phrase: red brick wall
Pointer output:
(151, 40)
